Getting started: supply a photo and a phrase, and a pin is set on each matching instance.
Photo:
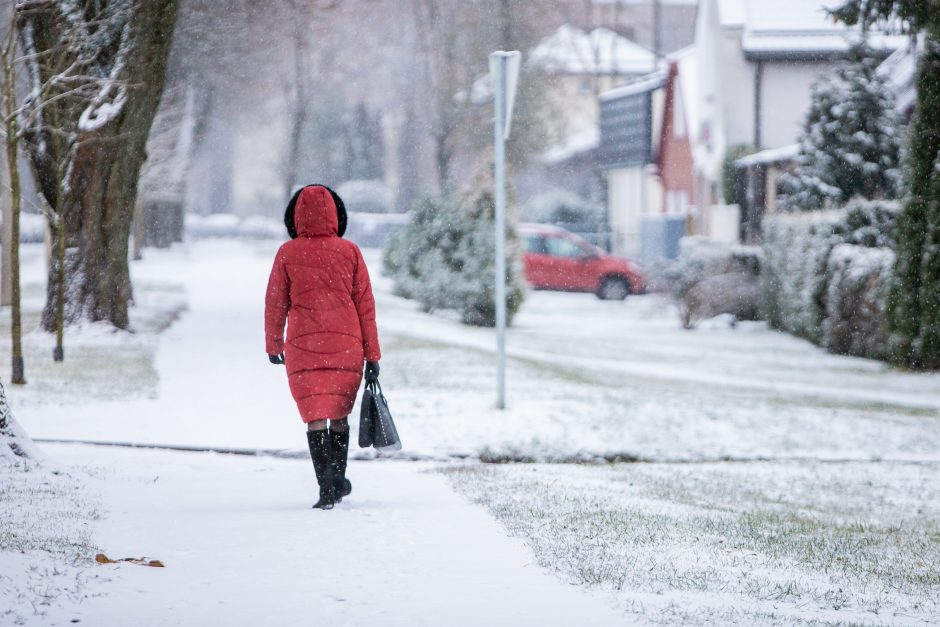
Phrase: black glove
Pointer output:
(372, 371)
(277, 360)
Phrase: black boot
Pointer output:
(339, 451)
(319, 443)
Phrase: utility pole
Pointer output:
(504, 70)
(658, 29)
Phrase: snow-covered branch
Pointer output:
(109, 102)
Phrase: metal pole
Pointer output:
(499, 139)
(657, 31)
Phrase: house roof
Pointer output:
(646, 2)
(790, 16)
(731, 13)
(572, 146)
(781, 154)
(769, 46)
(900, 72)
(570, 50)
(650, 82)
(794, 30)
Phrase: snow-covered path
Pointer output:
(216, 385)
(243, 548)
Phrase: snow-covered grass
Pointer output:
(590, 379)
(768, 543)
(94, 353)
(47, 518)
(587, 380)
(48, 512)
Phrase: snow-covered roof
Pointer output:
(811, 45)
(790, 16)
(646, 2)
(570, 50)
(900, 72)
(771, 155)
(651, 81)
(572, 146)
(731, 13)
(794, 29)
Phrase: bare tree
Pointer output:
(299, 88)
(446, 71)
(12, 137)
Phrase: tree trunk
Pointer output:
(12, 141)
(16, 325)
(298, 115)
(6, 296)
(105, 150)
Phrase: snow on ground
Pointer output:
(47, 528)
(588, 380)
(745, 543)
(241, 546)
(91, 350)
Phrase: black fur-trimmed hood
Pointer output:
(289, 221)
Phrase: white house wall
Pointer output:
(786, 96)
(736, 80)
(631, 192)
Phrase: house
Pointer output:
(742, 88)
(756, 63)
(577, 66)
(631, 118)
(651, 182)
(659, 25)
(674, 159)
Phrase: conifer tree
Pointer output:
(850, 144)
(914, 304)
(445, 258)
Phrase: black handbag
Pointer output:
(376, 426)
(366, 426)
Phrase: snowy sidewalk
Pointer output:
(242, 547)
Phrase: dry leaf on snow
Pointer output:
(101, 558)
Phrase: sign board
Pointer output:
(626, 130)
(504, 69)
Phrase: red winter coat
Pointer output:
(320, 286)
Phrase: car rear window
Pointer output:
(562, 247)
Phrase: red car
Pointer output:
(556, 259)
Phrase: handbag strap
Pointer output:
(376, 389)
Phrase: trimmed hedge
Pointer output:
(827, 274)
(859, 284)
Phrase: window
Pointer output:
(561, 247)
(534, 244)
(586, 85)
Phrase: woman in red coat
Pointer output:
(320, 287)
